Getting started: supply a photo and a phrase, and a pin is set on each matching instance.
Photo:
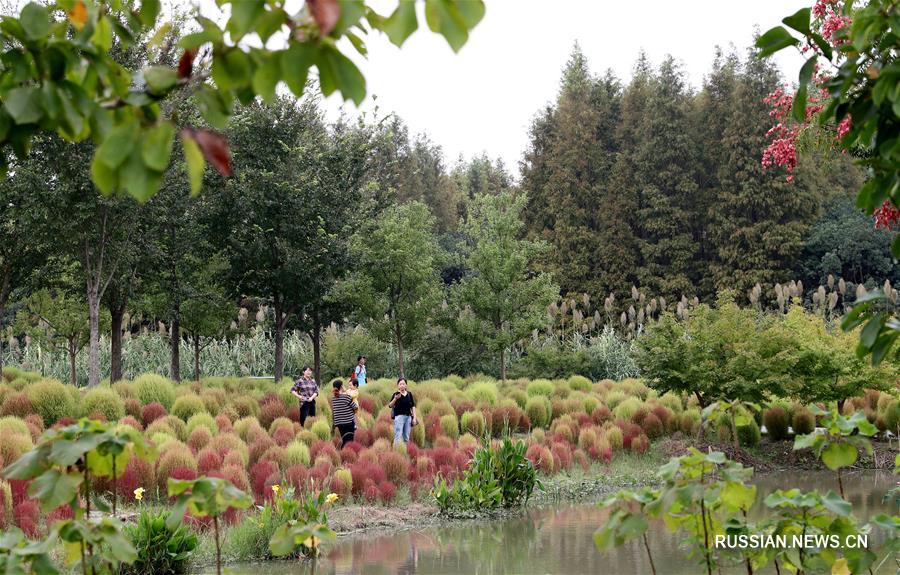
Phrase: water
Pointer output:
(555, 539)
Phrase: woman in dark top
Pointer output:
(343, 413)
(404, 406)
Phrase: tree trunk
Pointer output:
(94, 315)
(175, 342)
(399, 349)
(503, 365)
(279, 340)
(316, 336)
(116, 314)
(73, 351)
(197, 356)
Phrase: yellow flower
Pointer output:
(311, 542)
(276, 488)
(331, 497)
(139, 493)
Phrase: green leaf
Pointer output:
(157, 146)
(244, 14)
(24, 105)
(336, 71)
(839, 455)
(870, 333)
(103, 36)
(149, 12)
(140, 181)
(35, 20)
(800, 98)
(401, 23)
(160, 79)
(799, 21)
(295, 63)
(837, 504)
(193, 156)
(774, 40)
(737, 495)
(805, 441)
(105, 178)
(54, 488)
(118, 144)
(443, 17)
(266, 76)
(29, 465)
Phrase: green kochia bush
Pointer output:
(542, 387)
(473, 422)
(151, 387)
(776, 421)
(188, 405)
(105, 401)
(51, 400)
(748, 435)
(538, 411)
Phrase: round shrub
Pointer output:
(202, 420)
(538, 411)
(640, 444)
(173, 455)
(51, 400)
(281, 422)
(270, 411)
(468, 441)
(580, 383)
(542, 387)
(803, 422)
(615, 437)
(150, 388)
(321, 429)
(245, 406)
(395, 465)
(689, 421)
(105, 401)
(177, 425)
(246, 427)
(187, 406)
(892, 415)
(296, 453)
(483, 392)
(13, 425)
(13, 445)
(748, 435)
(199, 438)
(627, 408)
(283, 436)
(652, 426)
(16, 404)
(208, 460)
(473, 422)
(346, 476)
(226, 443)
(671, 401)
(450, 425)
(776, 421)
(151, 412)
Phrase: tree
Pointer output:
(566, 175)
(855, 100)
(63, 78)
(756, 229)
(500, 302)
(665, 165)
(843, 243)
(716, 353)
(59, 320)
(396, 284)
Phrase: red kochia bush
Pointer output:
(327, 449)
(59, 514)
(27, 516)
(260, 446)
(259, 474)
(338, 486)
(366, 404)
(138, 473)
(363, 471)
(298, 476)
(562, 456)
(348, 456)
(133, 408)
(370, 491)
(223, 423)
(600, 414)
(387, 491)
(17, 404)
(283, 436)
(152, 411)
(271, 411)
(132, 422)
(208, 460)
(19, 489)
(363, 437)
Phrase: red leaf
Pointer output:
(326, 14)
(186, 64)
(215, 149)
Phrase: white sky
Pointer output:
(484, 98)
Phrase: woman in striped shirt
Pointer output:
(343, 413)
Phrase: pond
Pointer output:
(556, 539)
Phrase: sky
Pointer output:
(484, 98)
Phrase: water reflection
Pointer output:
(546, 540)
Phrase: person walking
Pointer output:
(404, 405)
(343, 413)
(359, 372)
(306, 390)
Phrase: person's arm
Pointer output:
(294, 391)
(353, 405)
(394, 399)
(414, 418)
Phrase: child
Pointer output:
(353, 392)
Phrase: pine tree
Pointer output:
(666, 173)
(759, 220)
